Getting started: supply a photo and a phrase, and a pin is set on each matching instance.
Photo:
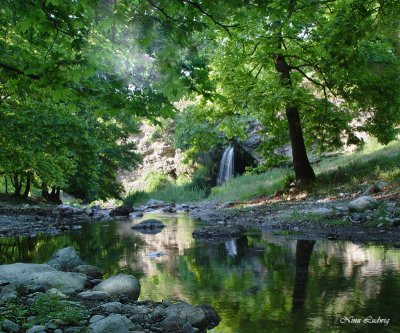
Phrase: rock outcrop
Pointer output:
(159, 156)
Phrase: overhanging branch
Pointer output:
(14, 69)
(226, 27)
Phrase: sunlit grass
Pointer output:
(371, 163)
(250, 186)
(170, 193)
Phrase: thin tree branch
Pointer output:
(254, 50)
(51, 46)
(162, 10)
(223, 26)
(307, 77)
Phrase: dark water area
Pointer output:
(257, 283)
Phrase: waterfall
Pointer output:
(226, 167)
(231, 247)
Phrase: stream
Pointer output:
(257, 283)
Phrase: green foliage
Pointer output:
(196, 131)
(342, 62)
(136, 198)
(273, 161)
(201, 180)
(49, 307)
(157, 181)
(15, 311)
(99, 64)
(45, 308)
(72, 86)
(179, 194)
(170, 193)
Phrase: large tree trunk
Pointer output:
(302, 167)
(17, 183)
(28, 187)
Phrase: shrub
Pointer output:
(156, 181)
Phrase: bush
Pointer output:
(136, 198)
(201, 180)
(156, 181)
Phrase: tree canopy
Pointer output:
(325, 69)
(75, 77)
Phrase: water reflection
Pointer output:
(258, 282)
(231, 247)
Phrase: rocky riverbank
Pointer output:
(67, 296)
(26, 219)
(32, 219)
(369, 214)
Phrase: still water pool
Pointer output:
(257, 283)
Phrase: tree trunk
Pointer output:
(302, 167)
(53, 196)
(28, 187)
(17, 183)
(45, 191)
(304, 250)
(6, 183)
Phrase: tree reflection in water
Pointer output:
(257, 283)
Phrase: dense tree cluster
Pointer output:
(75, 76)
(312, 72)
(71, 90)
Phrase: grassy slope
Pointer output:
(371, 163)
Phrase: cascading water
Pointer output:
(226, 167)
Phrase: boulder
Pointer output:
(65, 259)
(120, 285)
(10, 326)
(89, 270)
(362, 204)
(112, 324)
(13, 272)
(182, 313)
(122, 211)
(150, 224)
(45, 276)
(171, 208)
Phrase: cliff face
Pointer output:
(159, 155)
